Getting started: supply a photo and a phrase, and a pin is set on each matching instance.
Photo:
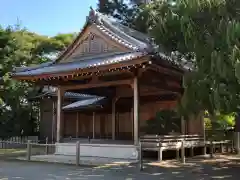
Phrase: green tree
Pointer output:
(129, 13)
(21, 48)
(206, 34)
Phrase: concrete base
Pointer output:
(92, 161)
(117, 151)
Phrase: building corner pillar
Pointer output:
(114, 119)
(136, 110)
(60, 98)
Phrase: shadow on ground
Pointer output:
(222, 167)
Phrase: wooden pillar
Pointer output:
(60, 94)
(77, 125)
(136, 110)
(53, 119)
(132, 123)
(113, 118)
(93, 119)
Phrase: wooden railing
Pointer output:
(153, 142)
(161, 143)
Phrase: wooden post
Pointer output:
(136, 109)
(53, 120)
(140, 156)
(28, 150)
(77, 153)
(192, 151)
(211, 148)
(93, 119)
(113, 118)
(183, 152)
(177, 154)
(77, 125)
(132, 123)
(238, 143)
(160, 154)
(46, 150)
(221, 147)
(60, 94)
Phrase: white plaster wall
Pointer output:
(98, 150)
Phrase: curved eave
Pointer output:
(136, 62)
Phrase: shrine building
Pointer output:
(106, 85)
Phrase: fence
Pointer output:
(219, 135)
(24, 150)
(73, 153)
(16, 141)
(77, 153)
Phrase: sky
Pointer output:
(46, 17)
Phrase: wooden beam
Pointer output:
(166, 71)
(159, 68)
(98, 84)
(125, 92)
(161, 84)
(94, 79)
(161, 75)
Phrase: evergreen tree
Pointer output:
(19, 47)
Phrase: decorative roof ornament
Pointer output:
(93, 16)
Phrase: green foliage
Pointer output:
(164, 122)
(128, 13)
(205, 33)
(220, 127)
(20, 48)
(223, 122)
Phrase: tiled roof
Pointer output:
(84, 103)
(51, 91)
(80, 63)
(74, 95)
(124, 35)
(22, 69)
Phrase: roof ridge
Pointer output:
(121, 32)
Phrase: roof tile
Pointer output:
(78, 64)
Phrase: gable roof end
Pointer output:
(117, 32)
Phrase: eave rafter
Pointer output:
(126, 67)
(166, 71)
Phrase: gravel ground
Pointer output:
(194, 169)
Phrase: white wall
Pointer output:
(98, 150)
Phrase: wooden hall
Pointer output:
(119, 79)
